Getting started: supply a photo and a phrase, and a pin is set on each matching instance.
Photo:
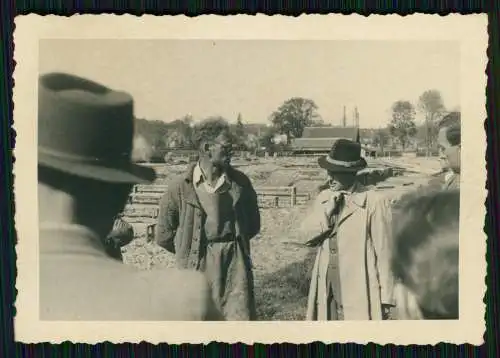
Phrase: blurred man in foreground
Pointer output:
(425, 255)
(85, 174)
(351, 278)
(207, 218)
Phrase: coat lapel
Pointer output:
(189, 192)
(235, 192)
(354, 202)
(192, 198)
(234, 187)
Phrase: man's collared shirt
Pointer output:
(449, 174)
(452, 181)
(221, 185)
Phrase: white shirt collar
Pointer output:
(198, 177)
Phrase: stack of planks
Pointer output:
(142, 204)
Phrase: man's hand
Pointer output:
(333, 204)
(387, 311)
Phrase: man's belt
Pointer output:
(223, 239)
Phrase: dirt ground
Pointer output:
(281, 270)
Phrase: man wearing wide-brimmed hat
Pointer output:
(350, 225)
(85, 174)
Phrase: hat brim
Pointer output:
(129, 173)
(325, 164)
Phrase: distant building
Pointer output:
(319, 140)
(257, 129)
(280, 139)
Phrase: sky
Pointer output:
(172, 78)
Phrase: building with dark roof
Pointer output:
(319, 140)
(331, 132)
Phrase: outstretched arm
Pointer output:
(316, 220)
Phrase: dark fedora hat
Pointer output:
(345, 156)
(86, 129)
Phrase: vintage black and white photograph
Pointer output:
(247, 180)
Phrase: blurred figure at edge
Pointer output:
(85, 175)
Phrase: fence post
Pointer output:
(293, 196)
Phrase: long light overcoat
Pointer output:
(364, 249)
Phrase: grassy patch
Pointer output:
(282, 295)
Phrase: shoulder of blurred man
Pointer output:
(186, 291)
(438, 180)
(83, 283)
(441, 181)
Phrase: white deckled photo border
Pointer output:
(470, 31)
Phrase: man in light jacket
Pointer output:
(350, 225)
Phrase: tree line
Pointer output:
(403, 128)
(155, 138)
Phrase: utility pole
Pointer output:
(356, 117)
(258, 141)
(344, 119)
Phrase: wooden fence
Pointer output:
(143, 202)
